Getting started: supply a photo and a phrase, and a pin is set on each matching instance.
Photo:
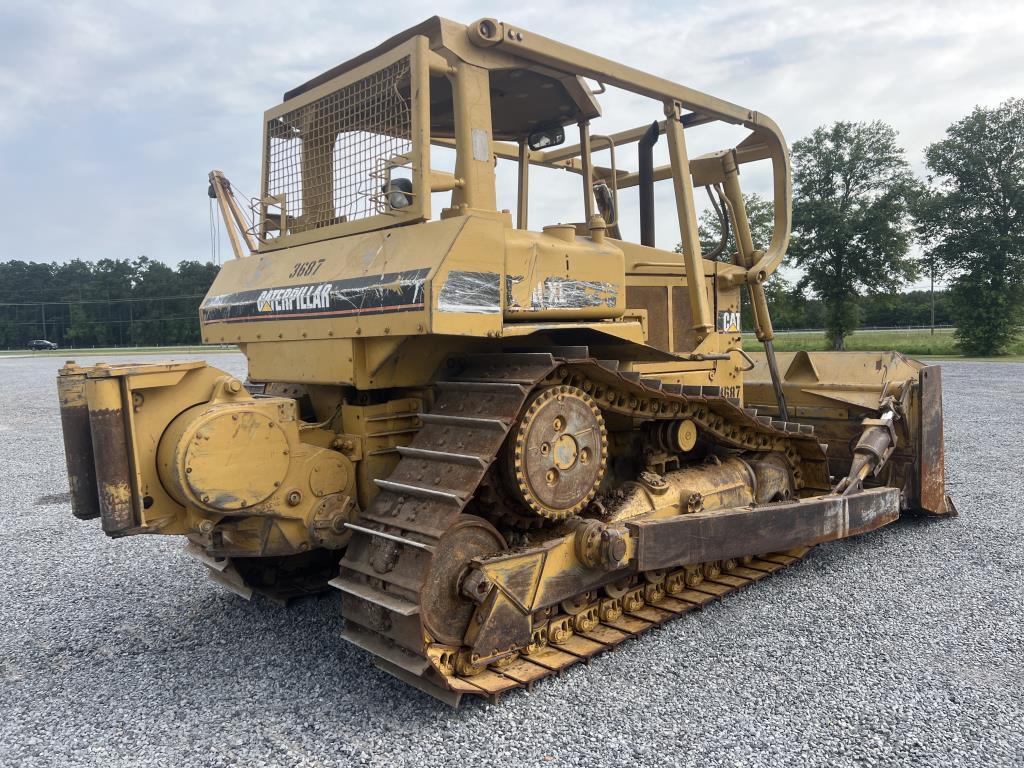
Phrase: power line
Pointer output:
(137, 320)
(99, 301)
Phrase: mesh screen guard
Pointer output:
(329, 159)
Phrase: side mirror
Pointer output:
(546, 136)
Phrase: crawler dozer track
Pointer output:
(646, 613)
(399, 574)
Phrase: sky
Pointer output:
(112, 113)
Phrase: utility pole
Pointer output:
(932, 264)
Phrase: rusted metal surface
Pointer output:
(726, 534)
(445, 611)
(559, 452)
(74, 420)
(399, 549)
(113, 474)
(421, 501)
(110, 446)
(614, 627)
(931, 446)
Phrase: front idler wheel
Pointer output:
(445, 608)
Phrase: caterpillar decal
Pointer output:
(379, 294)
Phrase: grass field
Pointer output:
(911, 342)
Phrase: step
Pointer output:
(371, 595)
(383, 649)
(390, 537)
(505, 387)
(456, 458)
(463, 421)
(405, 489)
(451, 698)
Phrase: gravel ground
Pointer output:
(903, 647)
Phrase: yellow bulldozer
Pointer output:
(510, 447)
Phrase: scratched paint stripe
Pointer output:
(331, 313)
(364, 295)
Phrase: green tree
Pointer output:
(853, 191)
(973, 220)
(110, 302)
(760, 215)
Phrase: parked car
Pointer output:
(41, 344)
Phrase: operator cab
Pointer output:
(357, 148)
(417, 129)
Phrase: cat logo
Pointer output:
(729, 321)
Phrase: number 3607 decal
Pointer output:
(306, 268)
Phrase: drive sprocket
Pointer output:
(557, 452)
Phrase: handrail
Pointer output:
(598, 137)
(764, 131)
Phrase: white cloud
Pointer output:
(112, 112)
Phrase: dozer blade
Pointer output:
(931, 446)
(836, 391)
